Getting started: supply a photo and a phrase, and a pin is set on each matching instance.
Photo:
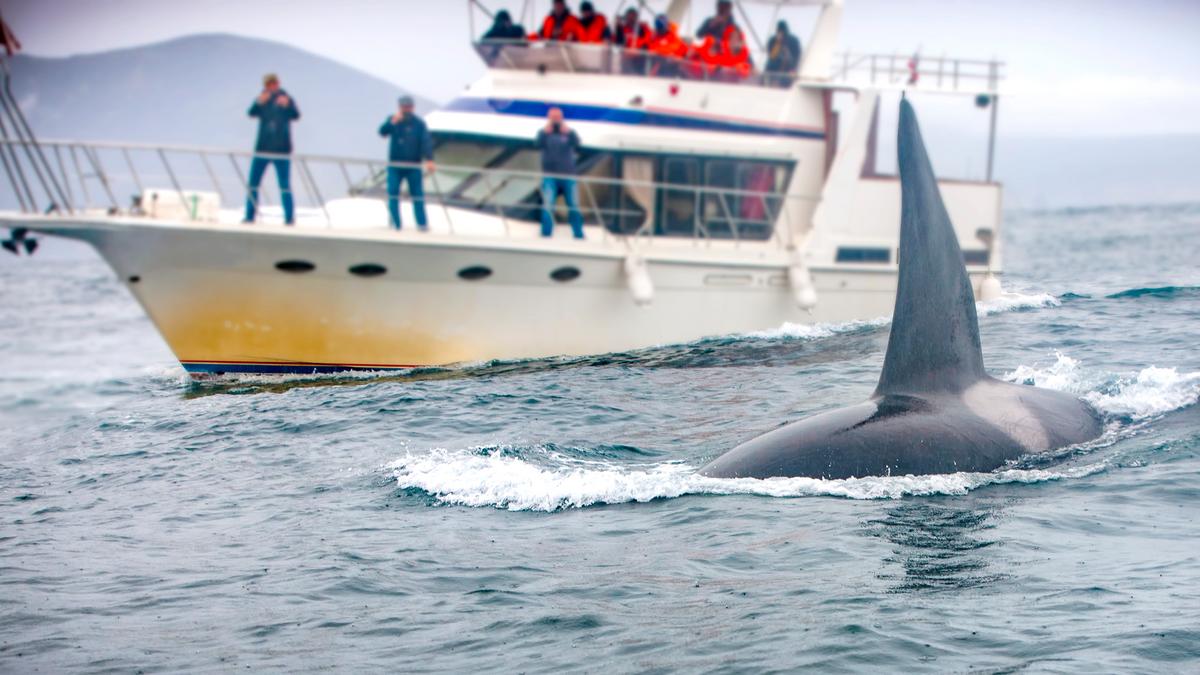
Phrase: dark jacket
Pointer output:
(504, 29)
(558, 150)
(783, 57)
(411, 141)
(274, 123)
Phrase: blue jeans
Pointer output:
(283, 171)
(416, 190)
(550, 189)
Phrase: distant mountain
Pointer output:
(196, 90)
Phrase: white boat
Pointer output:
(713, 205)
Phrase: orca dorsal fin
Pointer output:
(934, 342)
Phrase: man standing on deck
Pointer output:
(410, 144)
(558, 145)
(275, 111)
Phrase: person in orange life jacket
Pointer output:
(410, 144)
(559, 24)
(667, 46)
(732, 56)
(631, 33)
(631, 36)
(715, 26)
(558, 145)
(594, 26)
(275, 111)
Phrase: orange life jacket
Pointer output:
(636, 38)
(669, 44)
(593, 32)
(570, 29)
(721, 55)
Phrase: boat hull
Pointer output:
(220, 300)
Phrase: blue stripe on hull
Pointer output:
(597, 113)
(277, 369)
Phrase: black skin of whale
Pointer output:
(935, 410)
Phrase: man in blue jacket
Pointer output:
(275, 111)
(411, 144)
(558, 145)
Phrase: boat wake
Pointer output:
(551, 479)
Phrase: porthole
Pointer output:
(295, 266)
(474, 273)
(368, 270)
(565, 274)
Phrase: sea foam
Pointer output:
(497, 480)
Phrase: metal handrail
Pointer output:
(610, 59)
(951, 74)
(773, 205)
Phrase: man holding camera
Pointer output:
(275, 111)
(410, 144)
(558, 145)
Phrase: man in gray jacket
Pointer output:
(558, 145)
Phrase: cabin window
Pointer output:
(849, 254)
(975, 256)
(475, 273)
(295, 266)
(678, 210)
(564, 274)
(368, 270)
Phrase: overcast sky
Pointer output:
(1076, 67)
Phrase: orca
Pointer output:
(935, 410)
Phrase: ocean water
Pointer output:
(544, 516)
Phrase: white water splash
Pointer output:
(1063, 375)
(1153, 391)
(494, 480)
(1010, 302)
(815, 331)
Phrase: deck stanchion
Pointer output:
(171, 174)
(137, 180)
(346, 175)
(487, 181)
(10, 146)
(12, 178)
(442, 201)
(212, 175)
(93, 157)
(315, 191)
(62, 171)
(595, 209)
(87, 198)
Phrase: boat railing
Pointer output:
(577, 57)
(918, 71)
(193, 183)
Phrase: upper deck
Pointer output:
(819, 65)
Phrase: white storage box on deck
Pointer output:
(166, 204)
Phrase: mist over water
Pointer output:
(544, 515)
